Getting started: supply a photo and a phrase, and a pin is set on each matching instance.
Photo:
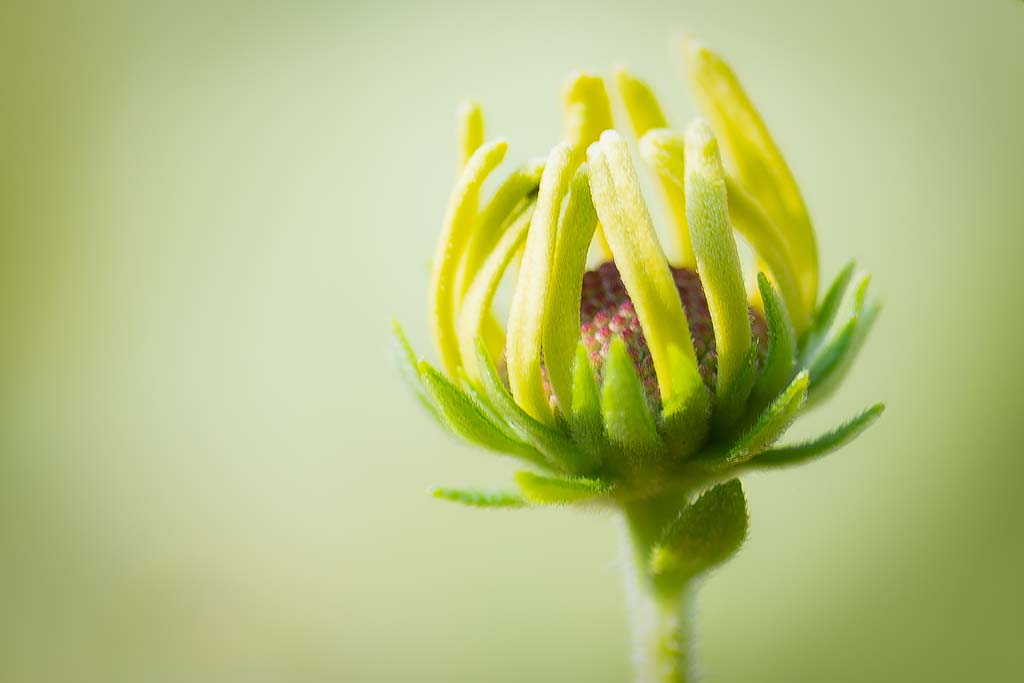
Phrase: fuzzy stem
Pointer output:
(660, 617)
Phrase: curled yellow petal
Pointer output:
(753, 155)
(459, 219)
(475, 316)
(562, 321)
(639, 257)
(471, 130)
(641, 104)
(586, 113)
(718, 261)
(751, 221)
(501, 211)
(646, 116)
(529, 301)
(664, 151)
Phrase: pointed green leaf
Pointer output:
(559, 491)
(707, 533)
(465, 418)
(408, 364)
(831, 376)
(828, 357)
(797, 454)
(778, 366)
(731, 406)
(627, 415)
(487, 408)
(556, 446)
(482, 499)
(771, 425)
(686, 419)
(585, 420)
(833, 354)
(826, 313)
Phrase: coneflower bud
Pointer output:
(649, 379)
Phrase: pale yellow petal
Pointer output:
(475, 319)
(718, 260)
(526, 316)
(752, 154)
(562, 321)
(471, 130)
(639, 257)
(459, 220)
(646, 116)
(586, 113)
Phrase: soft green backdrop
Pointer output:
(210, 471)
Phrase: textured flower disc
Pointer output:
(606, 311)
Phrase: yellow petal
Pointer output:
(645, 114)
(562, 321)
(526, 316)
(476, 306)
(755, 158)
(639, 257)
(586, 113)
(664, 151)
(458, 223)
(751, 221)
(471, 130)
(501, 211)
(718, 261)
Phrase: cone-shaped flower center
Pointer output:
(606, 311)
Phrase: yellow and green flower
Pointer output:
(649, 382)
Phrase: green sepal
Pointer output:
(686, 419)
(831, 354)
(408, 365)
(466, 418)
(707, 533)
(831, 362)
(560, 491)
(627, 414)
(826, 313)
(478, 498)
(560, 450)
(731, 406)
(771, 425)
(488, 409)
(867, 321)
(826, 385)
(798, 454)
(781, 359)
(585, 421)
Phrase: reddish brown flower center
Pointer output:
(606, 311)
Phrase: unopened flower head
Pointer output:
(660, 369)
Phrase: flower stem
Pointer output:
(660, 617)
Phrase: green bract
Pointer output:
(650, 386)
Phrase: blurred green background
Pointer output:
(210, 470)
